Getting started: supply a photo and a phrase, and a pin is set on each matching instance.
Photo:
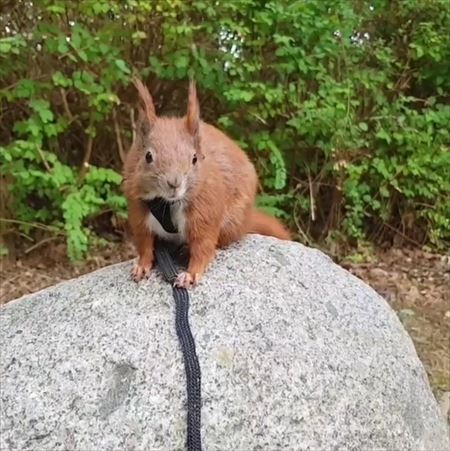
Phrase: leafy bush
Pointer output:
(343, 106)
(47, 191)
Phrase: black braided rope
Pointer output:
(168, 268)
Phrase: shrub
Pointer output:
(343, 106)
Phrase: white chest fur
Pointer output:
(178, 216)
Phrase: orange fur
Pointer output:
(147, 100)
(220, 188)
(142, 237)
(267, 225)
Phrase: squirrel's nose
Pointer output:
(174, 182)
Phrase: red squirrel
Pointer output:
(209, 181)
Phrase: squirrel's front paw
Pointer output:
(186, 280)
(141, 270)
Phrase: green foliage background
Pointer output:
(342, 105)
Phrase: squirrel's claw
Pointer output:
(140, 272)
(186, 280)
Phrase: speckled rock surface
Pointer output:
(295, 353)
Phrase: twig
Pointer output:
(36, 225)
(25, 236)
(12, 86)
(133, 124)
(88, 151)
(311, 198)
(301, 231)
(16, 232)
(40, 243)
(118, 137)
(302, 183)
(12, 279)
(262, 120)
(71, 52)
(66, 104)
(406, 237)
(49, 169)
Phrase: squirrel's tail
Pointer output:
(265, 224)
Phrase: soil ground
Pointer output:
(414, 282)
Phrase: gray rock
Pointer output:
(296, 353)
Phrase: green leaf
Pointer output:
(3, 251)
(138, 36)
(42, 107)
(363, 126)
(181, 62)
(122, 66)
(383, 135)
(61, 80)
(5, 47)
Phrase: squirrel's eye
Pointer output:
(148, 157)
(194, 159)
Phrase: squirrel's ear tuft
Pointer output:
(147, 113)
(143, 124)
(193, 113)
